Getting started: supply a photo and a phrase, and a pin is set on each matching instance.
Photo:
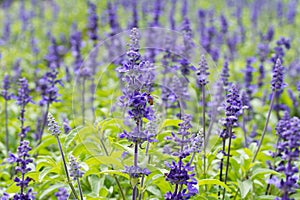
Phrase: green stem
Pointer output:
(228, 157)
(266, 126)
(116, 179)
(204, 134)
(6, 129)
(66, 169)
(79, 187)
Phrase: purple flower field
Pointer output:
(149, 100)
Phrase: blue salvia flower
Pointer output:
(135, 18)
(187, 49)
(288, 145)
(75, 169)
(22, 159)
(112, 18)
(5, 196)
(53, 57)
(23, 98)
(248, 76)
(225, 74)
(136, 171)
(137, 76)
(47, 86)
(281, 45)
(92, 24)
(53, 127)
(172, 15)
(66, 126)
(6, 86)
(224, 24)
(62, 194)
(75, 41)
(292, 11)
(233, 107)
(277, 82)
(298, 88)
(232, 42)
(202, 72)
(7, 27)
(182, 174)
(293, 98)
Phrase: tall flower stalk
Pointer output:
(277, 84)
(23, 98)
(137, 76)
(233, 109)
(76, 173)
(54, 128)
(6, 96)
(22, 159)
(287, 149)
(202, 75)
(182, 173)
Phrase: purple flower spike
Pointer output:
(277, 82)
(202, 72)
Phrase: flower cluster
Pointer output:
(182, 174)
(53, 57)
(22, 159)
(225, 74)
(248, 76)
(23, 98)
(138, 76)
(233, 107)
(202, 72)
(138, 136)
(75, 170)
(92, 24)
(136, 171)
(53, 127)
(277, 82)
(6, 86)
(62, 194)
(47, 87)
(288, 131)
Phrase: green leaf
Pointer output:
(213, 182)
(12, 188)
(70, 137)
(50, 190)
(154, 191)
(114, 172)
(169, 122)
(263, 171)
(266, 197)
(245, 187)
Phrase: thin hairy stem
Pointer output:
(204, 134)
(221, 165)
(228, 157)
(6, 128)
(83, 101)
(79, 188)
(244, 128)
(115, 177)
(265, 128)
(41, 132)
(66, 169)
